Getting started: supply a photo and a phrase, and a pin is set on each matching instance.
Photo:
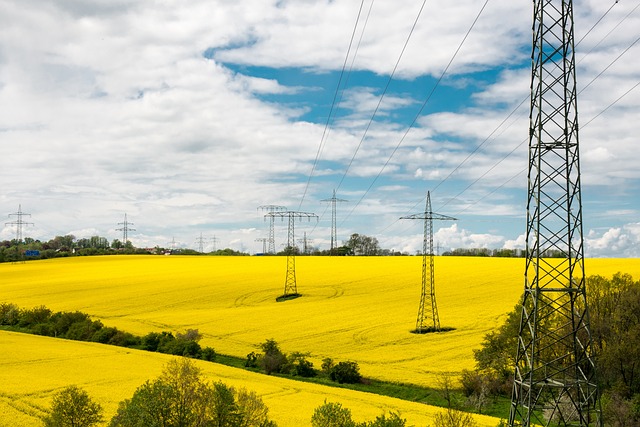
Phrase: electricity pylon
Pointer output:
(125, 229)
(290, 285)
(201, 241)
(19, 223)
(428, 321)
(264, 241)
(270, 209)
(334, 233)
(306, 243)
(554, 381)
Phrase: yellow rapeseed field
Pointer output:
(35, 368)
(353, 308)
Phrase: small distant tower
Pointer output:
(290, 285)
(334, 234)
(19, 223)
(428, 321)
(201, 242)
(306, 244)
(125, 229)
(272, 209)
(264, 241)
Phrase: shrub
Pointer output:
(345, 372)
(9, 314)
(301, 366)
(72, 407)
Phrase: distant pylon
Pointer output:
(264, 241)
(272, 208)
(334, 233)
(19, 223)
(201, 242)
(290, 285)
(428, 321)
(554, 382)
(305, 244)
(125, 229)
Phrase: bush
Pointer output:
(9, 314)
(345, 372)
(72, 407)
(301, 366)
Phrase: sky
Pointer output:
(190, 116)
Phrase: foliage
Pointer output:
(359, 244)
(394, 420)
(345, 372)
(332, 414)
(614, 306)
(181, 398)
(79, 326)
(300, 366)
(273, 360)
(454, 418)
(72, 407)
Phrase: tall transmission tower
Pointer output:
(264, 241)
(125, 229)
(290, 285)
(334, 234)
(554, 381)
(271, 209)
(19, 222)
(428, 320)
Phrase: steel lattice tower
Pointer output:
(334, 233)
(554, 380)
(290, 285)
(264, 241)
(19, 223)
(270, 209)
(125, 229)
(428, 321)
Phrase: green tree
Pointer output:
(273, 359)
(332, 414)
(72, 407)
(359, 244)
(174, 399)
(346, 372)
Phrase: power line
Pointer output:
(384, 92)
(125, 229)
(325, 132)
(415, 119)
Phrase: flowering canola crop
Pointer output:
(352, 308)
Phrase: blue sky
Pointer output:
(187, 117)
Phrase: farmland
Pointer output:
(356, 308)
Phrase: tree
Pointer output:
(394, 420)
(332, 414)
(359, 244)
(273, 359)
(180, 398)
(73, 407)
(175, 398)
